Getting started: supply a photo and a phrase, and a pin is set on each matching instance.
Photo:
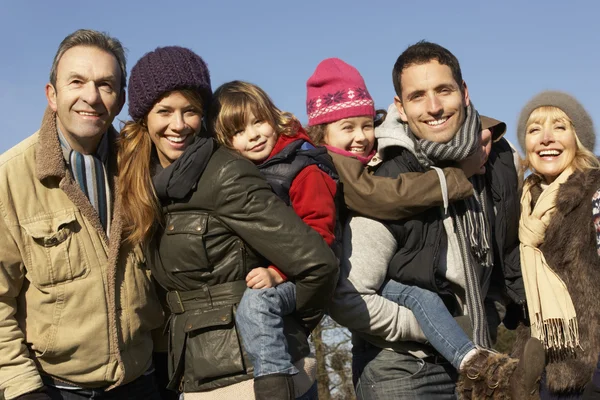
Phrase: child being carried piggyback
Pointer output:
(244, 118)
(341, 117)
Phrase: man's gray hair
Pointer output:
(91, 38)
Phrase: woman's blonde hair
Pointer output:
(141, 207)
(232, 104)
(584, 158)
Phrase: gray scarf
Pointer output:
(469, 216)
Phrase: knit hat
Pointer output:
(498, 128)
(569, 105)
(335, 91)
(164, 70)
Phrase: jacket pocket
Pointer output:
(54, 252)
(185, 236)
(212, 347)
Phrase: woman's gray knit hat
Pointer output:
(581, 119)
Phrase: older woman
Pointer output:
(560, 239)
(209, 218)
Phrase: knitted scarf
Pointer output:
(180, 178)
(89, 171)
(551, 310)
(470, 216)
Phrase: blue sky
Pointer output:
(508, 50)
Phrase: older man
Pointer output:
(76, 304)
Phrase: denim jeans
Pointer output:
(143, 387)
(439, 327)
(385, 375)
(259, 320)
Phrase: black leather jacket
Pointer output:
(230, 223)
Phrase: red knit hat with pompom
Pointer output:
(335, 91)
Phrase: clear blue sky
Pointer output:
(508, 50)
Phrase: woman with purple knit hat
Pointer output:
(206, 217)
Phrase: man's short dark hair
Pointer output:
(421, 53)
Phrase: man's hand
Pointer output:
(475, 163)
(262, 278)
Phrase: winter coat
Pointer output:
(570, 250)
(421, 238)
(76, 305)
(229, 223)
(304, 177)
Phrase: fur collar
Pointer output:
(570, 249)
(50, 163)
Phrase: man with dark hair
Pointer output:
(76, 303)
(466, 252)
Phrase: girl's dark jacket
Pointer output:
(570, 249)
(221, 219)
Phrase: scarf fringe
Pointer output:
(559, 336)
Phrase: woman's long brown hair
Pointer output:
(141, 207)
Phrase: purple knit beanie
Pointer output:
(164, 70)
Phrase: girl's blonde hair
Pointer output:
(141, 207)
(584, 158)
(232, 104)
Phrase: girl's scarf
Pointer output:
(363, 160)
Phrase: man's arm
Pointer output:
(368, 249)
(18, 373)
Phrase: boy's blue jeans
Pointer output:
(259, 320)
(436, 322)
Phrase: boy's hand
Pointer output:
(262, 278)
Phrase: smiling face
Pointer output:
(256, 141)
(550, 142)
(87, 95)
(433, 103)
(355, 135)
(173, 122)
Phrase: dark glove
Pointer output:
(515, 314)
(40, 394)
(592, 390)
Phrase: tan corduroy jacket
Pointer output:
(74, 305)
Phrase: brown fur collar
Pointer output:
(571, 251)
(50, 163)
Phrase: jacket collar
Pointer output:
(50, 163)
(49, 156)
(49, 160)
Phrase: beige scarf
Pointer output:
(551, 310)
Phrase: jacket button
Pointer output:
(198, 228)
(170, 227)
(224, 318)
(189, 327)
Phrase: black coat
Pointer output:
(421, 238)
(230, 223)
